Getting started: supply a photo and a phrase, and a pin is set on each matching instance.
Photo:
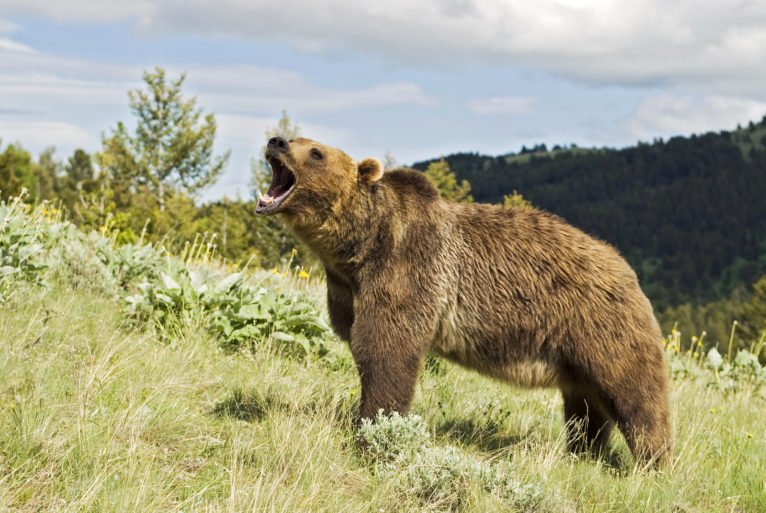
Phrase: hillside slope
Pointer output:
(97, 417)
(131, 380)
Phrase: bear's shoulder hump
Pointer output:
(405, 181)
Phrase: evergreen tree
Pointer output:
(444, 179)
(81, 190)
(12, 177)
(79, 169)
(752, 315)
(47, 171)
(516, 200)
(19, 172)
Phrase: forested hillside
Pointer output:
(688, 213)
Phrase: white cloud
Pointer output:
(29, 80)
(256, 89)
(250, 131)
(667, 114)
(37, 135)
(7, 26)
(48, 99)
(502, 105)
(103, 10)
(711, 45)
(7, 45)
(68, 88)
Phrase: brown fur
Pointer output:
(516, 294)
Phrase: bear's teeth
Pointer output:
(267, 199)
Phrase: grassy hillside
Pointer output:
(135, 381)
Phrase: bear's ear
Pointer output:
(370, 169)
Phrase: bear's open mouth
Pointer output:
(282, 184)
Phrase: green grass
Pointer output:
(96, 415)
(524, 158)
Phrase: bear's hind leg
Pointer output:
(638, 401)
(646, 428)
(588, 426)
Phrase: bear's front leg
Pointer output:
(340, 306)
(388, 384)
(389, 339)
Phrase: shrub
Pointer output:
(131, 263)
(21, 254)
(238, 313)
(401, 449)
(713, 369)
(74, 257)
(389, 438)
(446, 476)
(36, 247)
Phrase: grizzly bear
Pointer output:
(514, 293)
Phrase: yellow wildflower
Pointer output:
(303, 274)
(275, 270)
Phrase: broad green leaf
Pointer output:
(169, 282)
(228, 282)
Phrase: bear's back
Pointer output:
(524, 277)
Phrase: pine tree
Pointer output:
(752, 315)
(446, 182)
(516, 200)
(19, 172)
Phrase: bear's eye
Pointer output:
(316, 154)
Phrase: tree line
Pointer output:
(143, 182)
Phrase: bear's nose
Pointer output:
(278, 143)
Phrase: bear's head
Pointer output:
(311, 180)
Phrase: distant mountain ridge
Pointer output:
(689, 213)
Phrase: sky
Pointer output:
(417, 79)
